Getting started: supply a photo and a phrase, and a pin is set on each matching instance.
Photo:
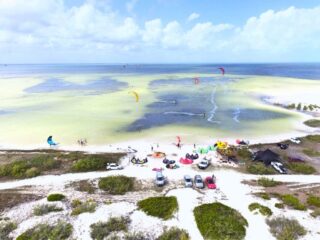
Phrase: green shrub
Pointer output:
(260, 169)
(313, 138)
(313, 123)
(117, 185)
(299, 107)
(101, 230)
(55, 197)
(61, 231)
(291, 106)
(92, 162)
(244, 154)
(265, 211)
(311, 152)
(45, 209)
(5, 229)
(220, 222)
(75, 203)
(279, 205)
(313, 201)
(162, 207)
(136, 236)
(174, 233)
(293, 202)
(301, 168)
(32, 172)
(88, 206)
(286, 229)
(85, 186)
(315, 213)
(29, 167)
(266, 182)
(264, 195)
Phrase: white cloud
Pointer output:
(281, 31)
(38, 25)
(172, 35)
(152, 32)
(203, 35)
(193, 16)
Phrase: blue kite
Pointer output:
(51, 142)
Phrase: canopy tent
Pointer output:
(266, 157)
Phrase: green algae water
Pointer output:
(96, 102)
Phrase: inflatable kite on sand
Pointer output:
(51, 142)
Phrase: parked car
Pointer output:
(278, 166)
(113, 166)
(283, 146)
(210, 183)
(187, 181)
(295, 140)
(203, 164)
(192, 156)
(160, 180)
(198, 181)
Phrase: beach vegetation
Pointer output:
(161, 207)
(260, 169)
(313, 138)
(305, 108)
(315, 213)
(44, 209)
(315, 123)
(117, 185)
(291, 106)
(313, 200)
(82, 207)
(301, 168)
(244, 154)
(279, 205)
(101, 230)
(84, 186)
(6, 227)
(267, 182)
(55, 197)
(311, 152)
(265, 211)
(299, 107)
(220, 222)
(136, 236)
(61, 231)
(28, 168)
(264, 195)
(174, 233)
(293, 202)
(286, 229)
(92, 163)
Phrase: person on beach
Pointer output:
(151, 148)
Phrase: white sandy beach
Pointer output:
(230, 192)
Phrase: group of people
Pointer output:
(82, 142)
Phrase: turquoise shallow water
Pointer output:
(98, 103)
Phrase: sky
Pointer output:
(159, 31)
